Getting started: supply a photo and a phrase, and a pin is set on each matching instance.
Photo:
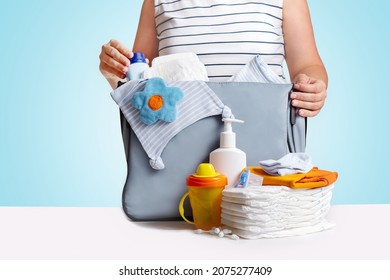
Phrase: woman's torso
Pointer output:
(225, 35)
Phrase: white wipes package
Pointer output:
(177, 67)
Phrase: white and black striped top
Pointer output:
(225, 35)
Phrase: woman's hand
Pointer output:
(309, 96)
(114, 61)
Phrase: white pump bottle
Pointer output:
(227, 159)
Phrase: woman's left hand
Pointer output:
(309, 96)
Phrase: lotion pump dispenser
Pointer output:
(227, 159)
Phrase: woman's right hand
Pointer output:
(114, 61)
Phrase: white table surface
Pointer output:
(361, 232)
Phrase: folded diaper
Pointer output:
(154, 138)
(280, 215)
(324, 225)
(177, 67)
(265, 192)
(263, 217)
(275, 209)
(291, 163)
(278, 194)
(260, 226)
(290, 206)
(236, 225)
(285, 202)
(277, 216)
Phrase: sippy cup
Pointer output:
(205, 191)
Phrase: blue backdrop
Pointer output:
(60, 142)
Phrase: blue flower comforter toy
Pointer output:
(157, 101)
(157, 112)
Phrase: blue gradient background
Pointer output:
(60, 142)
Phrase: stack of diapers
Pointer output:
(275, 211)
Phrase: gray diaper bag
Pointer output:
(270, 130)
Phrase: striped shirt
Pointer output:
(226, 35)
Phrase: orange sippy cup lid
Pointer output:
(206, 176)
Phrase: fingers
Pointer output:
(308, 113)
(115, 54)
(314, 87)
(310, 97)
(314, 106)
(121, 48)
(109, 71)
(114, 59)
(308, 108)
(109, 62)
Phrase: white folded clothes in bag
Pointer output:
(257, 71)
(324, 225)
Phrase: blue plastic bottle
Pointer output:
(137, 66)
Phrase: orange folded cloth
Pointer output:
(315, 178)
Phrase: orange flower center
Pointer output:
(155, 102)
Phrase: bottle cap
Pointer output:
(206, 176)
(205, 170)
(138, 57)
